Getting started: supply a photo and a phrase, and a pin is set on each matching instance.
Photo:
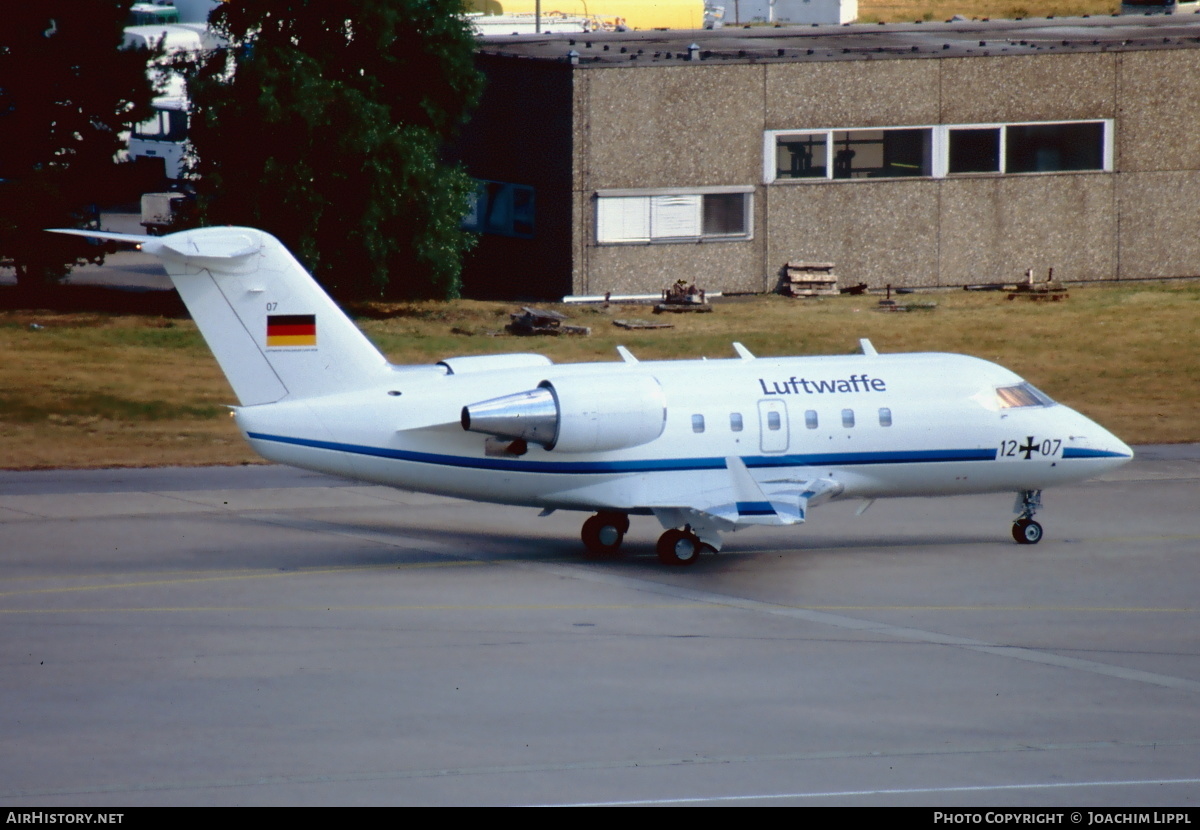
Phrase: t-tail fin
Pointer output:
(274, 331)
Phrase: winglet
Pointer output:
(867, 348)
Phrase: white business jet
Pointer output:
(705, 446)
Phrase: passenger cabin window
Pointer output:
(847, 418)
(810, 418)
(697, 423)
(735, 421)
(773, 421)
(1023, 394)
(885, 416)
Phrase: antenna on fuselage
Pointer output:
(867, 348)
(743, 352)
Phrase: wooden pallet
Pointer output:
(809, 279)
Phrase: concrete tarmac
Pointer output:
(263, 636)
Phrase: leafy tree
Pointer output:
(67, 94)
(324, 124)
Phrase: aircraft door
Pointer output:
(773, 426)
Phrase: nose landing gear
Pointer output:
(1025, 530)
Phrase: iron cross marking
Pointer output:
(1029, 448)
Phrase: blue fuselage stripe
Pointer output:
(648, 465)
(1082, 452)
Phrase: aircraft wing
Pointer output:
(741, 500)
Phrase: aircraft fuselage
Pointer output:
(885, 425)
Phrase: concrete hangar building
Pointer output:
(935, 154)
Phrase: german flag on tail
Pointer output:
(291, 330)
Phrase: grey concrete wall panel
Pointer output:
(1028, 88)
(1160, 111)
(877, 233)
(851, 94)
(582, 230)
(675, 126)
(639, 269)
(1158, 224)
(581, 129)
(992, 229)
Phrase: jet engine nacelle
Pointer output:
(589, 413)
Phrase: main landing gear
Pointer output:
(678, 547)
(603, 533)
(1025, 530)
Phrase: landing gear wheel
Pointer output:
(678, 547)
(603, 533)
(1027, 531)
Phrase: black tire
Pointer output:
(619, 520)
(678, 547)
(602, 534)
(1027, 532)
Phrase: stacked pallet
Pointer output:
(809, 279)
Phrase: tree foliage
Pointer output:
(324, 124)
(67, 94)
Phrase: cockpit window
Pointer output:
(1023, 394)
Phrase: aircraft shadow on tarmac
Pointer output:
(431, 542)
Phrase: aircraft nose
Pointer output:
(1112, 446)
(1120, 447)
(1094, 442)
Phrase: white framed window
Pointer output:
(1011, 149)
(674, 215)
(855, 154)
(938, 151)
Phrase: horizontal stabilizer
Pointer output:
(132, 238)
(182, 246)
